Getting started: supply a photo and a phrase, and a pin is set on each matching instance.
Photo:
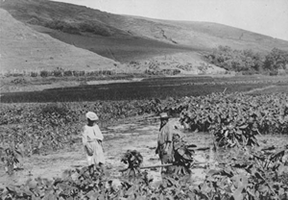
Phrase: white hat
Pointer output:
(92, 116)
(164, 116)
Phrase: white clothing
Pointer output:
(92, 137)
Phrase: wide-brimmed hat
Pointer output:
(164, 116)
(92, 116)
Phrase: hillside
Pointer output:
(128, 38)
(24, 49)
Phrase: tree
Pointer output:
(276, 59)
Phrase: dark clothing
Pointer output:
(164, 143)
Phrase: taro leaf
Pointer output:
(92, 194)
(277, 155)
(19, 152)
(11, 189)
(101, 196)
(269, 148)
(131, 191)
(282, 169)
(143, 198)
(27, 191)
(227, 173)
(237, 194)
(202, 195)
(281, 191)
(49, 196)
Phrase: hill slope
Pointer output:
(127, 38)
(24, 49)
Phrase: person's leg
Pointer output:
(90, 160)
(162, 161)
(101, 166)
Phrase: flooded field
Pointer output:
(137, 135)
(146, 89)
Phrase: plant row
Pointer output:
(61, 73)
(255, 175)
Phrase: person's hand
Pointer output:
(157, 150)
(165, 152)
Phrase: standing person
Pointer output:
(165, 138)
(92, 140)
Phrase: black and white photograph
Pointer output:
(144, 99)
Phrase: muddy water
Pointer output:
(134, 134)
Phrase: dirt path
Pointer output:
(135, 135)
(260, 89)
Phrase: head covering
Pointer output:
(164, 116)
(92, 116)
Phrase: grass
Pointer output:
(126, 38)
(122, 49)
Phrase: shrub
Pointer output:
(248, 72)
(273, 73)
(151, 72)
(17, 74)
(107, 72)
(68, 73)
(78, 73)
(14, 74)
(34, 74)
(170, 71)
(44, 73)
(93, 73)
(176, 71)
(57, 73)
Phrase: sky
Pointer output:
(268, 17)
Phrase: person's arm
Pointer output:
(98, 134)
(157, 148)
(169, 138)
(167, 146)
(84, 136)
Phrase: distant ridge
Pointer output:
(128, 38)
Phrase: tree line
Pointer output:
(247, 61)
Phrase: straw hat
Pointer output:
(92, 116)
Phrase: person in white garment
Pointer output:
(92, 140)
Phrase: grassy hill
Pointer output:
(24, 49)
(128, 38)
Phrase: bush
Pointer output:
(152, 72)
(107, 72)
(9, 74)
(248, 72)
(176, 71)
(170, 71)
(57, 73)
(93, 73)
(273, 73)
(17, 74)
(34, 74)
(247, 60)
(44, 73)
(68, 73)
(78, 73)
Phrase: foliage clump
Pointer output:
(249, 62)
